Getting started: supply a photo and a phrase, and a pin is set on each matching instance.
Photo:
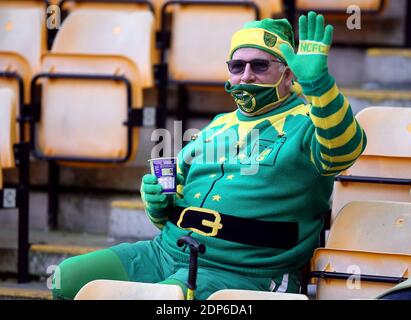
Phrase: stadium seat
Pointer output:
(195, 50)
(22, 42)
(234, 294)
(24, 30)
(383, 171)
(367, 252)
(7, 128)
(124, 290)
(192, 36)
(126, 33)
(102, 61)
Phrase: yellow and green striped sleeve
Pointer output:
(338, 139)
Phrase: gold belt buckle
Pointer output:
(214, 225)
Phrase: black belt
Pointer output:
(272, 234)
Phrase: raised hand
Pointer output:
(310, 62)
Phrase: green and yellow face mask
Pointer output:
(254, 99)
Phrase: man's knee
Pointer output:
(73, 273)
(62, 281)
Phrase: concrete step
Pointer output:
(48, 249)
(388, 67)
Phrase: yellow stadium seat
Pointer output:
(235, 294)
(7, 128)
(125, 290)
(367, 6)
(22, 42)
(90, 124)
(387, 158)
(198, 49)
(129, 34)
(367, 252)
(194, 51)
(23, 30)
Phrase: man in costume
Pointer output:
(255, 200)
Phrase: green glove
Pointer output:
(310, 62)
(154, 200)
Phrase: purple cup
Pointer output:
(165, 169)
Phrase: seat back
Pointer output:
(7, 128)
(23, 30)
(367, 6)
(200, 40)
(387, 155)
(129, 34)
(368, 238)
(124, 290)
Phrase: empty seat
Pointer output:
(129, 34)
(22, 42)
(235, 294)
(366, 6)
(23, 30)
(124, 290)
(367, 252)
(383, 171)
(82, 117)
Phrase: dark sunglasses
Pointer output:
(257, 65)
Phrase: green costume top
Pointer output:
(277, 167)
(299, 150)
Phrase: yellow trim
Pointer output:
(332, 120)
(255, 37)
(62, 249)
(377, 95)
(379, 52)
(25, 293)
(131, 204)
(326, 98)
(340, 140)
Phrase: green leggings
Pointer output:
(146, 261)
